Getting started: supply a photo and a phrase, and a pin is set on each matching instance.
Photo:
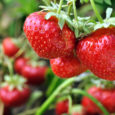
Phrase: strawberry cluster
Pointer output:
(15, 90)
(68, 56)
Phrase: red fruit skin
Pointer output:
(67, 67)
(97, 52)
(34, 75)
(19, 64)
(46, 37)
(14, 98)
(105, 96)
(10, 49)
(62, 107)
(76, 114)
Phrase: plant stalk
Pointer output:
(79, 91)
(75, 10)
(96, 11)
(60, 6)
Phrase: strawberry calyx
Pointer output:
(15, 81)
(82, 26)
(104, 84)
(77, 108)
(107, 22)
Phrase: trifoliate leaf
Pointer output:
(108, 13)
(61, 22)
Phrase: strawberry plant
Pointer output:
(59, 58)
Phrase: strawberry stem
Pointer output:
(96, 11)
(54, 1)
(52, 86)
(70, 104)
(65, 84)
(69, 9)
(9, 64)
(79, 91)
(60, 6)
(74, 9)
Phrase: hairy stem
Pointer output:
(60, 6)
(79, 91)
(74, 9)
(96, 11)
(69, 9)
(52, 86)
(65, 84)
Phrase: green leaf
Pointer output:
(108, 2)
(99, 1)
(61, 22)
(34, 96)
(108, 13)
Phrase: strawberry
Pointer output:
(14, 93)
(66, 67)
(105, 96)
(62, 107)
(34, 75)
(19, 63)
(97, 52)
(46, 37)
(10, 49)
(76, 114)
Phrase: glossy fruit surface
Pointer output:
(97, 52)
(62, 107)
(105, 96)
(34, 75)
(46, 37)
(10, 49)
(19, 64)
(67, 67)
(15, 97)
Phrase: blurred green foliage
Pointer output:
(14, 12)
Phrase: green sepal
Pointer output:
(62, 17)
(107, 23)
(15, 81)
(108, 13)
(61, 22)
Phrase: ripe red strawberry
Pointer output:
(67, 67)
(34, 75)
(19, 64)
(97, 52)
(105, 96)
(10, 49)
(15, 97)
(46, 37)
(62, 107)
(14, 92)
